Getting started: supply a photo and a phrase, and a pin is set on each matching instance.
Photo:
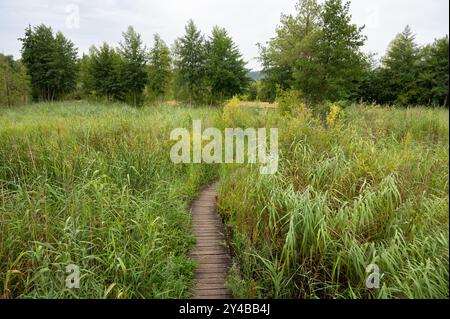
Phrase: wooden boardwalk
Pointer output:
(210, 251)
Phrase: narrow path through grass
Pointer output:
(210, 251)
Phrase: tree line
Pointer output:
(409, 74)
(316, 56)
(197, 70)
(318, 53)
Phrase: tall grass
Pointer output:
(93, 185)
(370, 189)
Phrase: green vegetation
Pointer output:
(93, 185)
(116, 74)
(208, 71)
(134, 59)
(365, 185)
(90, 182)
(14, 82)
(317, 52)
(51, 62)
(159, 70)
(225, 68)
(409, 74)
(100, 74)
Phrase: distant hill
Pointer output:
(256, 75)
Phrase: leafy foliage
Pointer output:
(14, 82)
(101, 73)
(317, 52)
(410, 74)
(159, 69)
(134, 61)
(363, 186)
(92, 185)
(339, 52)
(225, 68)
(190, 63)
(51, 62)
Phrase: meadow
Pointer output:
(92, 184)
(356, 187)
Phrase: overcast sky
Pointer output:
(88, 22)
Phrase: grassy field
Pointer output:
(363, 186)
(93, 185)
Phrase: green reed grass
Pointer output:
(372, 190)
(93, 185)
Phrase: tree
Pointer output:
(339, 52)
(50, 61)
(134, 70)
(374, 87)
(159, 69)
(433, 73)
(225, 68)
(409, 74)
(401, 64)
(190, 62)
(14, 82)
(85, 78)
(317, 52)
(306, 66)
(63, 66)
(102, 73)
(292, 51)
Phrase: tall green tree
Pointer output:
(401, 67)
(409, 74)
(190, 62)
(433, 73)
(288, 59)
(339, 52)
(102, 73)
(307, 68)
(159, 69)
(134, 66)
(317, 52)
(225, 68)
(50, 61)
(63, 66)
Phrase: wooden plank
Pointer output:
(205, 277)
(218, 259)
(200, 287)
(203, 204)
(216, 281)
(209, 252)
(219, 297)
